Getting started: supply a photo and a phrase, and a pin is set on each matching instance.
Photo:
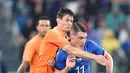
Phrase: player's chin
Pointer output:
(82, 46)
(68, 30)
(43, 34)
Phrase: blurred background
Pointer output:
(107, 23)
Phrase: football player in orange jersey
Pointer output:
(31, 51)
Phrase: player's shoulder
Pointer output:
(61, 55)
(91, 42)
(52, 32)
(60, 51)
(32, 41)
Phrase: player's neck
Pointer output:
(60, 29)
(41, 36)
(72, 44)
(76, 46)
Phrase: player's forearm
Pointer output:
(65, 70)
(110, 60)
(21, 69)
(109, 69)
(78, 52)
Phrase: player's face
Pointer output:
(43, 27)
(66, 23)
(79, 39)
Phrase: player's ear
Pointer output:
(37, 27)
(58, 20)
(71, 35)
(50, 25)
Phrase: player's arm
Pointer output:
(70, 62)
(96, 49)
(110, 60)
(22, 68)
(65, 70)
(63, 43)
(80, 53)
(27, 57)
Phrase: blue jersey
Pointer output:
(82, 64)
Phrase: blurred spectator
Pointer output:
(21, 19)
(81, 14)
(14, 7)
(27, 28)
(92, 7)
(22, 13)
(32, 3)
(35, 15)
(2, 65)
(126, 48)
(8, 6)
(125, 6)
(128, 21)
(90, 31)
(55, 6)
(110, 43)
(123, 33)
(86, 22)
(97, 19)
(38, 10)
(115, 18)
(105, 6)
(120, 61)
(100, 31)
(76, 5)
(21, 4)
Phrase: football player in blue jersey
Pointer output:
(66, 63)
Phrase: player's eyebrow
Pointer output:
(83, 36)
(69, 18)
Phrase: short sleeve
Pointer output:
(94, 47)
(55, 38)
(61, 57)
(28, 52)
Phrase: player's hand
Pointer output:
(101, 60)
(51, 62)
(70, 62)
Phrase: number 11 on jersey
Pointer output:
(80, 68)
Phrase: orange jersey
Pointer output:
(53, 40)
(31, 52)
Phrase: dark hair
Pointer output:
(77, 27)
(64, 11)
(42, 18)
